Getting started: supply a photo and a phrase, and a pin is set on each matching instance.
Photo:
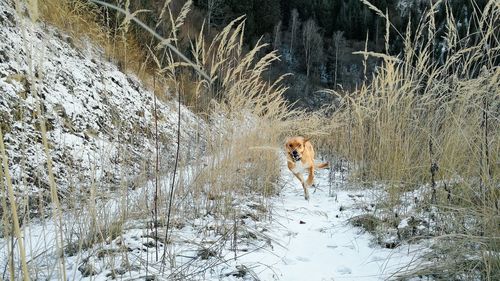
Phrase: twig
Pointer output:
(155, 223)
(156, 35)
(433, 169)
(171, 197)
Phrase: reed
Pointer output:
(428, 118)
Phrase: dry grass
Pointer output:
(83, 21)
(421, 122)
(247, 119)
(414, 116)
(14, 218)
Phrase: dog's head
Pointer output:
(295, 147)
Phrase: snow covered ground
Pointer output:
(313, 240)
(298, 240)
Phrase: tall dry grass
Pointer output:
(246, 119)
(83, 21)
(433, 118)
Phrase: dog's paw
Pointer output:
(306, 196)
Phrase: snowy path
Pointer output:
(317, 241)
(308, 241)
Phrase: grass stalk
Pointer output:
(15, 219)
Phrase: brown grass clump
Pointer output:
(433, 118)
(83, 21)
(248, 115)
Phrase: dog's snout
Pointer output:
(294, 153)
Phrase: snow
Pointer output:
(315, 241)
(297, 240)
(403, 223)
(99, 119)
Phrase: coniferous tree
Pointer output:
(339, 42)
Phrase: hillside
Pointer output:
(100, 121)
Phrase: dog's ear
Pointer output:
(306, 139)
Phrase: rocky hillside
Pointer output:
(100, 121)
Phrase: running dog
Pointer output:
(300, 156)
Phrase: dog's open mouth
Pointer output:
(295, 157)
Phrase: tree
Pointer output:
(294, 24)
(313, 45)
(350, 19)
(338, 41)
(267, 14)
(277, 36)
(214, 8)
(262, 15)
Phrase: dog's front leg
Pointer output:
(298, 175)
(304, 185)
(310, 177)
(306, 191)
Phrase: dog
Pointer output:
(300, 156)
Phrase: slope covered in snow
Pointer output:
(100, 121)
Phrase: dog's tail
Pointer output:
(321, 165)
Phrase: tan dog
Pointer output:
(300, 156)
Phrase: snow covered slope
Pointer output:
(100, 120)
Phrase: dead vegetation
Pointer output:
(416, 124)
(431, 124)
(245, 119)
